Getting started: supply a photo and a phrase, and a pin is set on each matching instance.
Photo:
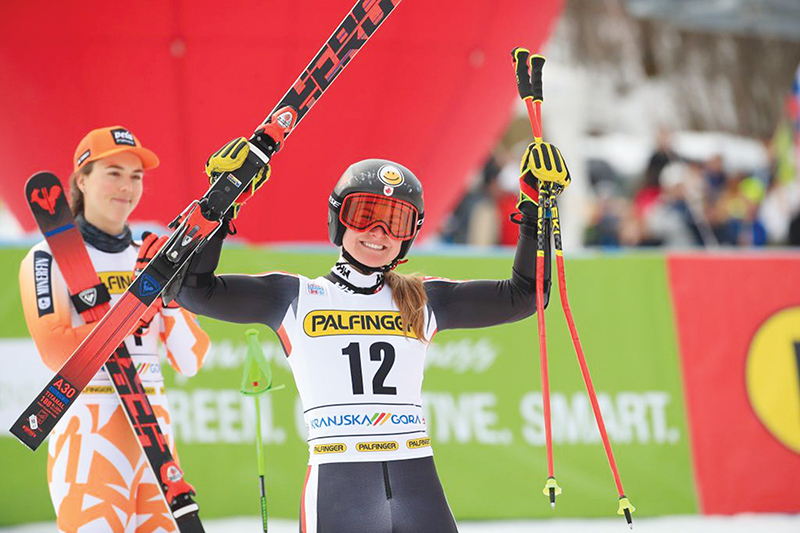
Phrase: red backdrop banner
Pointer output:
(433, 90)
(738, 320)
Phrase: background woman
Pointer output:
(98, 477)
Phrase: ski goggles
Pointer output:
(363, 211)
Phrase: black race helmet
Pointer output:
(377, 176)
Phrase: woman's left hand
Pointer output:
(545, 162)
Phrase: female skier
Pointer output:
(99, 479)
(356, 340)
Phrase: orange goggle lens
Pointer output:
(364, 211)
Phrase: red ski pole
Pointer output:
(625, 506)
(529, 93)
(534, 98)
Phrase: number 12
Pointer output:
(379, 351)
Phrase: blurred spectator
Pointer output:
(679, 202)
(794, 231)
(663, 155)
(604, 221)
(739, 205)
(715, 175)
(481, 216)
(648, 194)
(700, 203)
(669, 221)
(782, 199)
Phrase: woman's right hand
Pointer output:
(228, 159)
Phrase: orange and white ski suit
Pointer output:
(99, 478)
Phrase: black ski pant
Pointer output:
(375, 497)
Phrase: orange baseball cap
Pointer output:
(104, 142)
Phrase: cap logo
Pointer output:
(84, 156)
(388, 191)
(391, 175)
(123, 136)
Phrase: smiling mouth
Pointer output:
(372, 246)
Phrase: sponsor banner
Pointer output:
(482, 403)
(739, 328)
(336, 447)
(343, 421)
(329, 322)
(116, 282)
(388, 446)
(418, 443)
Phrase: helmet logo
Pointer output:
(391, 175)
(388, 191)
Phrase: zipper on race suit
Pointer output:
(386, 480)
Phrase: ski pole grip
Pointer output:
(537, 64)
(520, 56)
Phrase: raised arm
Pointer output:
(482, 303)
(475, 304)
(238, 298)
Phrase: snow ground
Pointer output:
(746, 523)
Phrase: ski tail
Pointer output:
(38, 420)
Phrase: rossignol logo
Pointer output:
(322, 323)
(148, 286)
(88, 296)
(116, 282)
(413, 444)
(377, 419)
(338, 447)
(122, 136)
(46, 198)
(377, 446)
(42, 264)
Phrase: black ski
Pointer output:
(202, 218)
